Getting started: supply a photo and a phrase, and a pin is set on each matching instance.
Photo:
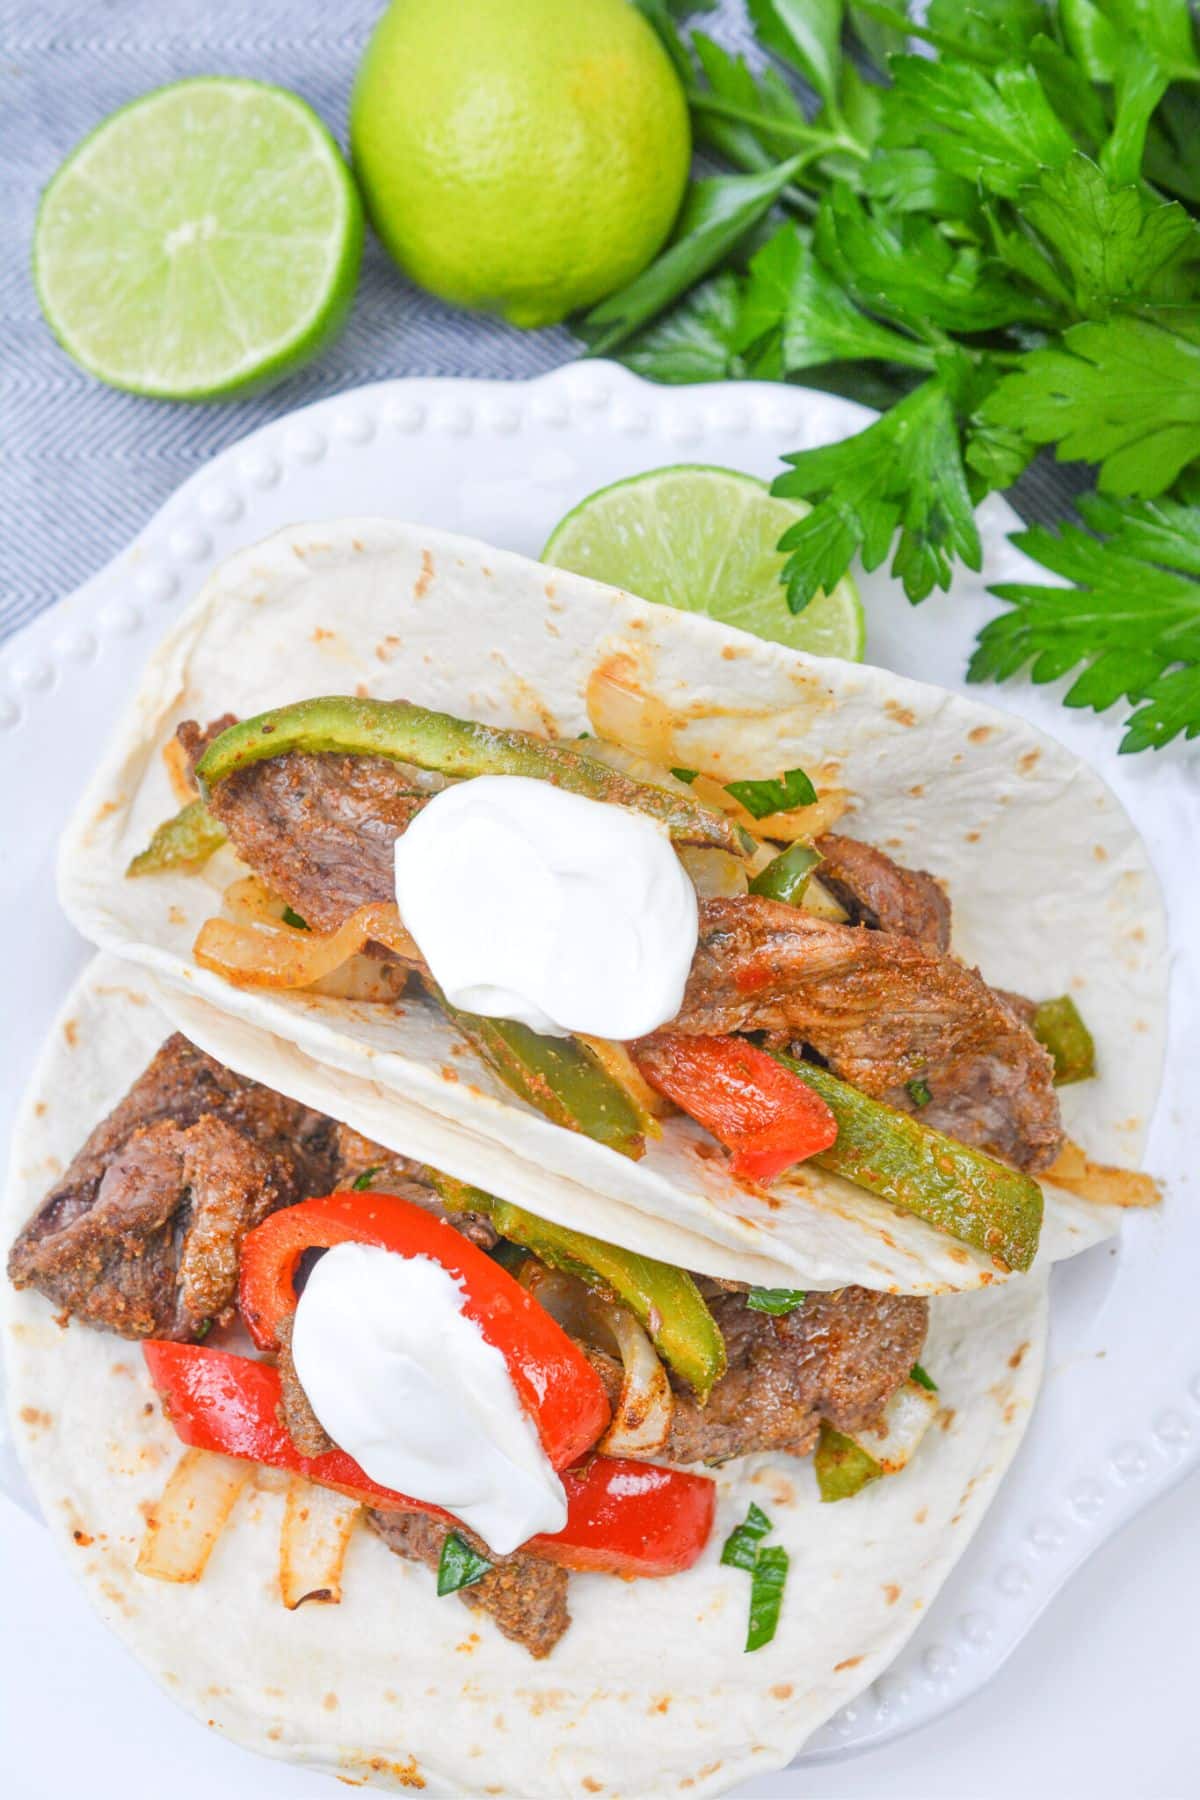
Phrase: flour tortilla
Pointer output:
(1051, 888)
(649, 1692)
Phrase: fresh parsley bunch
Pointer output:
(995, 241)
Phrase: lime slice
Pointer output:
(704, 540)
(202, 240)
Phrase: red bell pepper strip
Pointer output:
(554, 1381)
(764, 1115)
(625, 1518)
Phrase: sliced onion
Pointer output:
(622, 714)
(223, 868)
(716, 874)
(179, 771)
(633, 763)
(316, 1530)
(249, 901)
(186, 1522)
(906, 1418)
(641, 1422)
(1099, 1182)
(617, 1063)
(571, 1304)
(818, 900)
(261, 956)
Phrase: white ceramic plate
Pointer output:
(1119, 1419)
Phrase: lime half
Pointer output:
(704, 540)
(202, 240)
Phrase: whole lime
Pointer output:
(527, 156)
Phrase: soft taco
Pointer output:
(840, 978)
(288, 1397)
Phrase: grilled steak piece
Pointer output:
(141, 1234)
(525, 1596)
(295, 1409)
(878, 892)
(881, 1010)
(319, 830)
(839, 1357)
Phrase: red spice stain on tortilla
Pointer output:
(330, 1702)
(1100, 853)
(851, 1662)
(593, 1787)
(36, 1419)
(1028, 761)
(406, 1774)
(449, 1074)
(973, 837)
(361, 689)
(979, 734)
(176, 915)
(386, 651)
(891, 1592)
(946, 1419)
(917, 790)
(731, 652)
(39, 1111)
(120, 1600)
(71, 1032)
(919, 1518)
(1018, 1355)
(275, 1732)
(421, 587)
(107, 808)
(321, 636)
(783, 1690)
(1138, 934)
(661, 1705)
(548, 590)
(903, 715)
(83, 1538)
(469, 1644)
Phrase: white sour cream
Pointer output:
(409, 1386)
(533, 904)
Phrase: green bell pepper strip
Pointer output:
(842, 1467)
(955, 1188)
(183, 842)
(347, 725)
(664, 1299)
(555, 1075)
(787, 877)
(1058, 1027)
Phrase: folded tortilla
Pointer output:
(649, 1692)
(1050, 884)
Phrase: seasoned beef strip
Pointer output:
(525, 1596)
(295, 1408)
(839, 1357)
(881, 1010)
(359, 1160)
(141, 1234)
(881, 893)
(319, 830)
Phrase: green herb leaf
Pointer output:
(363, 1181)
(776, 1301)
(789, 291)
(766, 1595)
(923, 1378)
(1132, 621)
(740, 1549)
(904, 473)
(762, 798)
(807, 34)
(717, 215)
(754, 120)
(685, 775)
(696, 340)
(294, 920)
(997, 128)
(1123, 392)
(459, 1566)
(202, 1330)
(919, 1091)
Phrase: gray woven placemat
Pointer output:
(82, 467)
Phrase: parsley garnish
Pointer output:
(767, 1566)
(776, 1301)
(459, 1566)
(293, 919)
(762, 798)
(918, 1091)
(685, 775)
(366, 1178)
(923, 1378)
(996, 244)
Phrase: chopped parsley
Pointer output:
(292, 918)
(766, 1595)
(762, 798)
(366, 1178)
(923, 1378)
(918, 1091)
(740, 1550)
(775, 1301)
(459, 1566)
(685, 775)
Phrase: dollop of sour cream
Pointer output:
(565, 913)
(409, 1386)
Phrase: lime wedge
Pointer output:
(704, 540)
(202, 240)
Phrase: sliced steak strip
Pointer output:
(878, 892)
(839, 1357)
(319, 830)
(360, 1160)
(141, 1234)
(881, 1010)
(295, 1409)
(527, 1598)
